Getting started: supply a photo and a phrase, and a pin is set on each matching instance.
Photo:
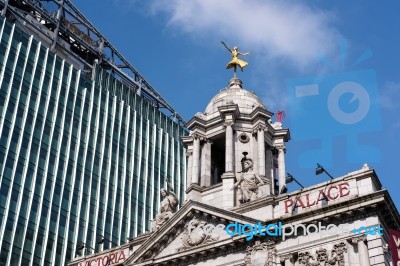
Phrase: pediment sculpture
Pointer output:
(167, 208)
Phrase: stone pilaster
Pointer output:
(189, 154)
(196, 159)
(363, 255)
(281, 166)
(228, 178)
(229, 149)
(261, 149)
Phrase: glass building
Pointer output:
(82, 155)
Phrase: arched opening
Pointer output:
(217, 160)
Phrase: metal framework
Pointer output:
(61, 22)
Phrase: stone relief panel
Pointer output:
(198, 232)
(261, 253)
(323, 257)
(197, 229)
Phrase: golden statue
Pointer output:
(235, 60)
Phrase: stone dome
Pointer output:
(234, 94)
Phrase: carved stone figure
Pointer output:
(305, 258)
(336, 258)
(200, 232)
(248, 182)
(337, 254)
(167, 207)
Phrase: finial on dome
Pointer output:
(235, 83)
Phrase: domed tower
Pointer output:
(235, 154)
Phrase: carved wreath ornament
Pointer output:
(243, 138)
(198, 232)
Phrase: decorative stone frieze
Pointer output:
(322, 257)
(260, 251)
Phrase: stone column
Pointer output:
(363, 255)
(229, 147)
(261, 150)
(205, 176)
(196, 159)
(281, 166)
(189, 154)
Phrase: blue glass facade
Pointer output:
(80, 157)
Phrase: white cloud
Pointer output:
(389, 98)
(286, 30)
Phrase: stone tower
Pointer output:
(235, 127)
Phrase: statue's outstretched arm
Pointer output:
(244, 53)
(226, 47)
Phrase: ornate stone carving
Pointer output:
(321, 256)
(357, 239)
(280, 147)
(195, 135)
(167, 207)
(259, 127)
(243, 137)
(199, 232)
(228, 123)
(284, 257)
(337, 254)
(248, 182)
(260, 253)
(305, 258)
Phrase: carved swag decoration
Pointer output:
(264, 251)
(322, 258)
(198, 233)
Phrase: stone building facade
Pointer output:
(237, 211)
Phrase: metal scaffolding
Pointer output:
(65, 27)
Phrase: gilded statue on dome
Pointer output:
(235, 60)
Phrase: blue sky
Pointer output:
(176, 46)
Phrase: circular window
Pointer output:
(243, 138)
